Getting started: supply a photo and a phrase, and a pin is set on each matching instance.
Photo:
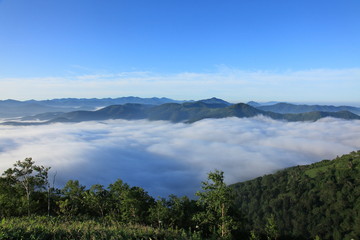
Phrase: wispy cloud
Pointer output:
(231, 84)
(169, 158)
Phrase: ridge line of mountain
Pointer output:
(283, 107)
(13, 108)
(187, 112)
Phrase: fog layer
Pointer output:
(166, 158)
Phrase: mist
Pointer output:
(166, 158)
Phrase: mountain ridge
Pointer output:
(284, 108)
(187, 112)
(13, 108)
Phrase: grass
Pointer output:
(340, 163)
(43, 228)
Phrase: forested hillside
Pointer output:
(187, 112)
(31, 208)
(14, 108)
(305, 201)
(294, 108)
(318, 201)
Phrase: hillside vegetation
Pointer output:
(317, 201)
(305, 201)
(14, 108)
(187, 112)
(302, 108)
(30, 208)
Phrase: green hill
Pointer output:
(319, 199)
(294, 108)
(188, 112)
(314, 116)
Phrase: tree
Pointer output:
(271, 228)
(159, 213)
(10, 198)
(96, 199)
(130, 204)
(173, 212)
(135, 205)
(181, 211)
(29, 176)
(73, 202)
(216, 199)
(117, 191)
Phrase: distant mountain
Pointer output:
(293, 108)
(314, 116)
(103, 102)
(257, 104)
(305, 201)
(174, 112)
(216, 101)
(129, 111)
(42, 116)
(13, 108)
(185, 112)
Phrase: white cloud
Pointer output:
(231, 84)
(167, 158)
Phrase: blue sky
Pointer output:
(262, 50)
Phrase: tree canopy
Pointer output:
(317, 201)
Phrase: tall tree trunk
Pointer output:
(50, 189)
(28, 201)
(48, 202)
(27, 190)
(222, 220)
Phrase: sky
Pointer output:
(261, 50)
(166, 158)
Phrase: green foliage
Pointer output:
(135, 205)
(96, 200)
(181, 212)
(253, 235)
(72, 202)
(216, 200)
(117, 194)
(173, 212)
(271, 228)
(186, 112)
(129, 204)
(159, 213)
(318, 201)
(10, 198)
(321, 199)
(43, 228)
(29, 177)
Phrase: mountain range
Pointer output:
(294, 108)
(187, 112)
(13, 108)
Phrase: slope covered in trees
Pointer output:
(294, 108)
(118, 211)
(14, 108)
(188, 112)
(321, 199)
(317, 201)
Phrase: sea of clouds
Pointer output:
(166, 158)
